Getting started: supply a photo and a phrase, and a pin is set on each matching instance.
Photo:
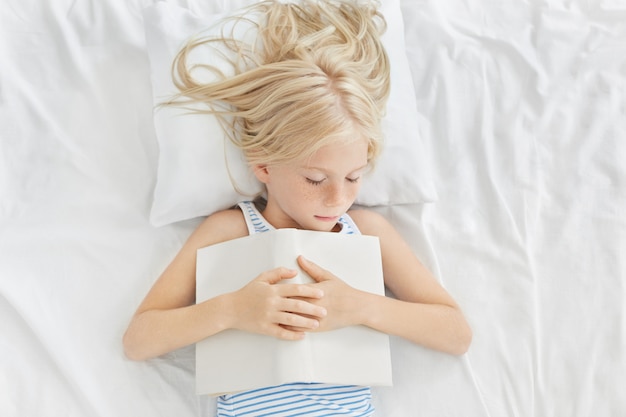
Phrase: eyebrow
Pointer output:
(325, 171)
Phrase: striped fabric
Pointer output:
(254, 219)
(299, 398)
(257, 223)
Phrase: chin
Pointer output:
(320, 227)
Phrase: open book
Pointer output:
(234, 360)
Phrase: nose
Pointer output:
(335, 195)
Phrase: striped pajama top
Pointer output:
(298, 398)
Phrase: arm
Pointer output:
(168, 317)
(423, 312)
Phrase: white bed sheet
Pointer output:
(523, 107)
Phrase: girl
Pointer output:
(307, 117)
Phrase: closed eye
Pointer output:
(314, 182)
(354, 180)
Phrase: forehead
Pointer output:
(339, 155)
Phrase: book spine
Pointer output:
(299, 244)
(286, 252)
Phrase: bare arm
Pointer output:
(423, 312)
(168, 317)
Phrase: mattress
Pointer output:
(520, 113)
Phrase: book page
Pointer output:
(234, 360)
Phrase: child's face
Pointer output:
(312, 194)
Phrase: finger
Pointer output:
(303, 308)
(316, 272)
(274, 276)
(292, 321)
(299, 329)
(286, 333)
(300, 291)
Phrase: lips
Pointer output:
(327, 218)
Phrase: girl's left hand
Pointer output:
(343, 303)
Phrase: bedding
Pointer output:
(194, 150)
(520, 114)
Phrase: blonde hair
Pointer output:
(318, 72)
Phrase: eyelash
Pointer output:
(313, 182)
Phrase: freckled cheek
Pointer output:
(310, 195)
(354, 192)
(299, 191)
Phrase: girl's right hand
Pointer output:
(280, 311)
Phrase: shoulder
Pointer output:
(219, 227)
(370, 222)
(394, 249)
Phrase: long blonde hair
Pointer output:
(317, 72)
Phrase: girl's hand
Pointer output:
(281, 311)
(342, 302)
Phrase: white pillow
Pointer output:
(193, 177)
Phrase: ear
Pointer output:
(262, 173)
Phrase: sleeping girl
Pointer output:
(306, 113)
